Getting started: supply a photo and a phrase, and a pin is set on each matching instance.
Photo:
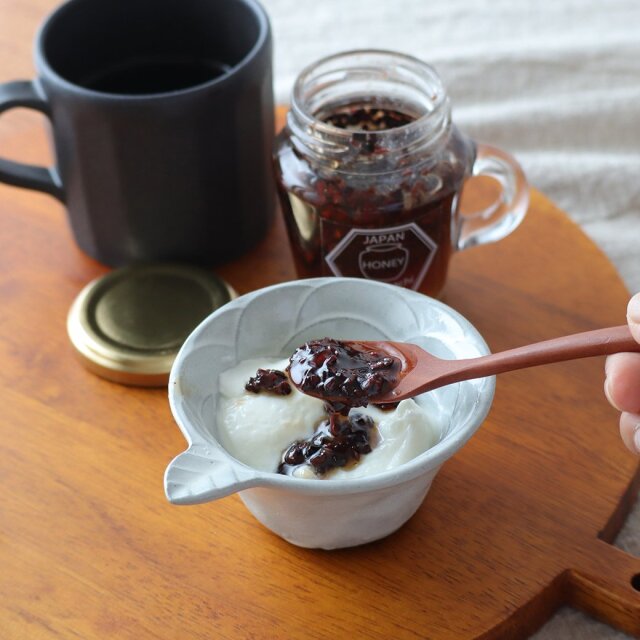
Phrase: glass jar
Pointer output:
(370, 168)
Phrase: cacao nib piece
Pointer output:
(269, 381)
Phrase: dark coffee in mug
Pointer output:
(162, 119)
(154, 74)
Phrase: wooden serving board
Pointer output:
(517, 524)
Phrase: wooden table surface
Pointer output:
(515, 525)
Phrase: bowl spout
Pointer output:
(201, 474)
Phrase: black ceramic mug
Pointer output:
(162, 119)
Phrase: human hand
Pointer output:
(622, 382)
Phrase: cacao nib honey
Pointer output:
(369, 168)
(345, 375)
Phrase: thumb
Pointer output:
(633, 316)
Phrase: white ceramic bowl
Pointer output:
(271, 322)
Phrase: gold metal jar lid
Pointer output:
(129, 325)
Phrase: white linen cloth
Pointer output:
(555, 82)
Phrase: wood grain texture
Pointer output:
(514, 526)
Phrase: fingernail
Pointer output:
(607, 393)
(636, 438)
(633, 310)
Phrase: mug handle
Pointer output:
(22, 93)
(501, 217)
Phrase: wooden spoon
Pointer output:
(423, 372)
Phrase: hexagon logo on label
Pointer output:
(400, 255)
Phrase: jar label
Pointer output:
(400, 255)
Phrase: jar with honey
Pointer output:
(370, 169)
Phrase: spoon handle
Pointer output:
(579, 345)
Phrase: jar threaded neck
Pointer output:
(379, 79)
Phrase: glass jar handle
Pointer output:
(501, 217)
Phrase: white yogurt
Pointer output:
(256, 428)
